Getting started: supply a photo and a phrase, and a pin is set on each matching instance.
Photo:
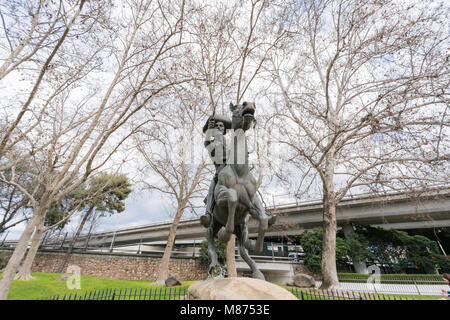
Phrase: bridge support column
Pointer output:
(360, 266)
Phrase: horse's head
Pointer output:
(243, 115)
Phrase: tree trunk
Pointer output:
(329, 270)
(231, 261)
(163, 272)
(25, 270)
(74, 240)
(18, 254)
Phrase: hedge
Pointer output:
(392, 277)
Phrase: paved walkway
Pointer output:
(395, 288)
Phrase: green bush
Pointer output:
(311, 243)
(392, 276)
(389, 278)
(400, 250)
(221, 249)
(375, 245)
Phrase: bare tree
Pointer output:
(12, 134)
(362, 96)
(13, 210)
(30, 29)
(85, 127)
(104, 194)
(167, 146)
(25, 271)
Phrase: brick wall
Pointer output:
(115, 266)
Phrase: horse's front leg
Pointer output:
(225, 233)
(211, 248)
(242, 236)
(259, 214)
(214, 269)
(257, 245)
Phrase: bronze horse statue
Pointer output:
(236, 198)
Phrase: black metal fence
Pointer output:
(316, 294)
(177, 293)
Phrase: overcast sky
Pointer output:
(140, 209)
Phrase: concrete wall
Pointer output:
(115, 266)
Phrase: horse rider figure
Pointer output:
(215, 128)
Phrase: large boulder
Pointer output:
(173, 280)
(237, 288)
(304, 281)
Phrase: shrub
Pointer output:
(311, 243)
(402, 251)
(221, 249)
(392, 278)
(374, 245)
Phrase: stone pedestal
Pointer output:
(237, 289)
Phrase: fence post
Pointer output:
(87, 242)
(417, 288)
(139, 247)
(4, 239)
(112, 242)
(271, 244)
(43, 240)
(62, 243)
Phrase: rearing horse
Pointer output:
(235, 196)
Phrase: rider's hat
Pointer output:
(218, 118)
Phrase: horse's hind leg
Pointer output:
(242, 236)
(211, 233)
(257, 245)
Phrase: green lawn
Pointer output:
(45, 286)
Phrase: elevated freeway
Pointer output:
(400, 211)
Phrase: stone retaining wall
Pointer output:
(116, 266)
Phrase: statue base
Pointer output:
(237, 288)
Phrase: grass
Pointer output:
(45, 286)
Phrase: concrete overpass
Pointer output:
(394, 211)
